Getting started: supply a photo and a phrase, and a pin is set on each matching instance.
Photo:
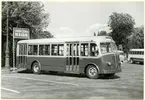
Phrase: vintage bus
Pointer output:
(92, 56)
(136, 55)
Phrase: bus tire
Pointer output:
(92, 72)
(36, 68)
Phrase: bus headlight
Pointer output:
(108, 63)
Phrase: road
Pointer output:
(125, 85)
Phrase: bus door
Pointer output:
(22, 56)
(72, 58)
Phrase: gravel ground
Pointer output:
(125, 85)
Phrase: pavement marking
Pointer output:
(44, 80)
(10, 90)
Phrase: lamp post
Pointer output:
(7, 66)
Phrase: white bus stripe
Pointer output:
(44, 80)
(10, 90)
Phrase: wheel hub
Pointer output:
(36, 68)
(92, 71)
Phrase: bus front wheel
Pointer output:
(92, 72)
(36, 68)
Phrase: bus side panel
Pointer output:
(85, 61)
(49, 63)
(21, 62)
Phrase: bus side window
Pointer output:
(30, 49)
(54, 49)
(60, 49)
(84, 49)
(93, 49)
(41, 49)
(20, 47)
(35, 49)
(47, 49)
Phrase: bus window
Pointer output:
(32, 50)
(131, 52)
(105, 47)
(60, 49)
(20, 49)
(84, 49)
(75, 50)
(41, 50)
(67, 50)
(54, 49)
(93, 50)
(47, 49)
(35, 47)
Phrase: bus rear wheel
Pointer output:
(36, 68)
(92, 72)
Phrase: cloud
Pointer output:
(63, 32)
(68, 32)
(96, 28)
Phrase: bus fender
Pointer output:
(34, 62)
(94, 65)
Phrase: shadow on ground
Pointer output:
(67, 74)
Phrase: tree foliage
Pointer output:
(102, 33)
(45, 34)
(137, 38)
(24, 15)
(122, 26)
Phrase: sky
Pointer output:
(85, 18)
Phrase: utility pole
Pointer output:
(7, 66)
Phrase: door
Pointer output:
(72, 57)
(22, 58)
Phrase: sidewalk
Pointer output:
(8, 71)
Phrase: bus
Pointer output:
(136, 55)
(92, 56)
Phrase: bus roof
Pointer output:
(136, 49)
(70, 39)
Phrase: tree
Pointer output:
(122, 26)
(102, 33)
(25, 15)
(22, 15)
(45, 34)
(137, 38)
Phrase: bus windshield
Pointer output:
(108, 47)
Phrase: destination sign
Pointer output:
(21, 33)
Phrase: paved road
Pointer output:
(125, 85)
